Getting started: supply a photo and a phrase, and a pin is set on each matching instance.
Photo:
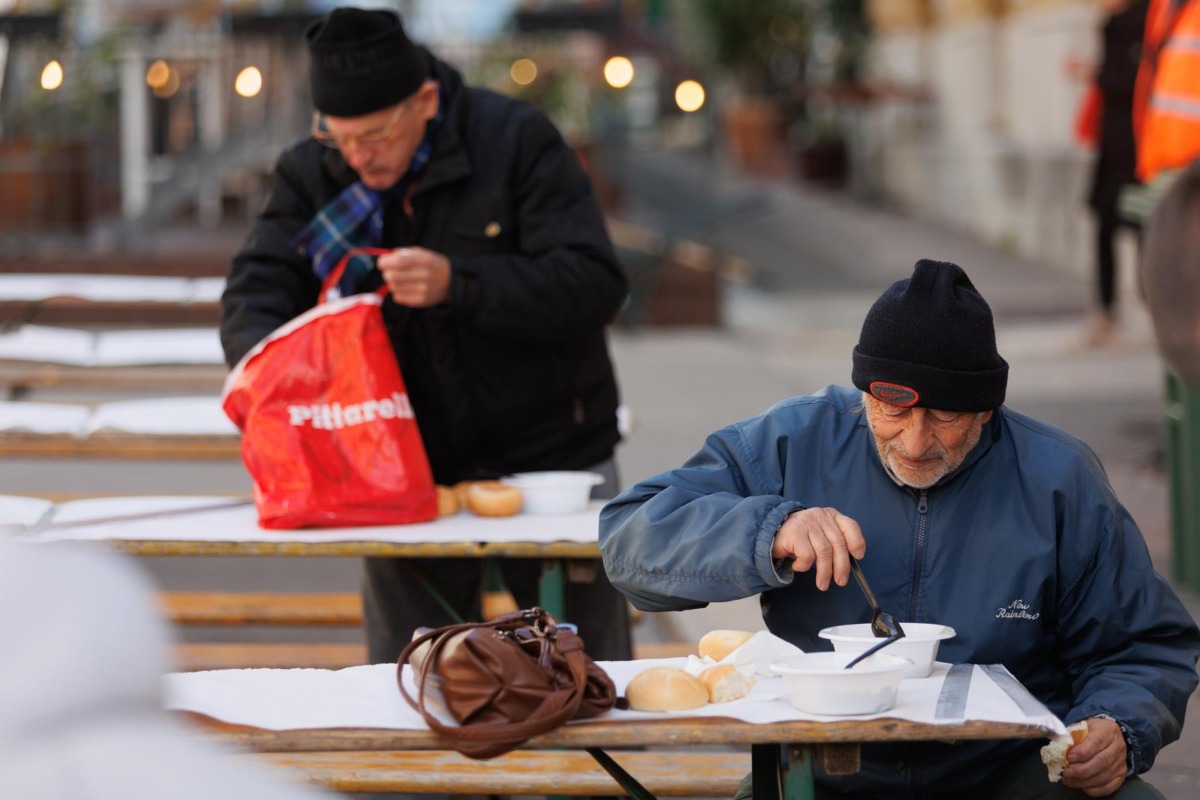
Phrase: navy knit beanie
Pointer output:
(361, 61)
(929, 342)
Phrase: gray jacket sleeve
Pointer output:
(701, 533)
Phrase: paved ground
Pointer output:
(819, 262)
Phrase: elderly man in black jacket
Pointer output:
(501, 278)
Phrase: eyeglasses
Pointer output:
(338, 141)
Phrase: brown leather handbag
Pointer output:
(504, 681)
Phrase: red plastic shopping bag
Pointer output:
(328, 433)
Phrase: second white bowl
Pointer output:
(919, 645)
(562, 492)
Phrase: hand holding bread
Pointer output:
(1054, 755)
(1094, 762)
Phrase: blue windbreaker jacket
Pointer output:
(1023, 550)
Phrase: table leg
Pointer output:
(781, 771)
(551, 591)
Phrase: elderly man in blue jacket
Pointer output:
(962, 511)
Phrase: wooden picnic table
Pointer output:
(782, 753)
(231, 530)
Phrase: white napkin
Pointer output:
(753, 658)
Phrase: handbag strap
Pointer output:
(335, 275)
(493, 739)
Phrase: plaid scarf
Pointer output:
(354, 219)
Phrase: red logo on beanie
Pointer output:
(894, 394)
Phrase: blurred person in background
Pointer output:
(1167, 100)
(965, 513)
(1170, 274)
(1115, 164)
(82, 658)
(501, 277)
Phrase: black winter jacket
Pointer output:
(512, 373)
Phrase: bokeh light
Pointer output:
(523, 71)
(52, 76)
(248, 82)
(170, 87)
(689, 96)
(618, 72)
(158, 74)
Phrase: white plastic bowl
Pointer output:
(819, 683)
(554, 492)
(919, 645)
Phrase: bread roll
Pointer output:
(718, 644)
(726, 682)
(665, 689)
(1054, 755)
(447, 501)
(493, 499)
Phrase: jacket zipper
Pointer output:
(919, 556)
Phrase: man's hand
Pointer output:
(416, 277)
(1097, 764)
(822, 537)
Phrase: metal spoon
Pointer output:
(883, 624)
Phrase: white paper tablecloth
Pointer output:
(367, 697)
(162, 416)
(44, 344)
(239, 524)
(111, 288)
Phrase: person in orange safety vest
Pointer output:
(1167, 100)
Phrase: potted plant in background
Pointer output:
(764, 45)
(59, 100)
(825, 102)
(793, 64)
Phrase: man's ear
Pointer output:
(428, 99)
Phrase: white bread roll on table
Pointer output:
(665, 689)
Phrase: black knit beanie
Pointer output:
(361, 61)
(929, 342)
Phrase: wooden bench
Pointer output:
(200, 656)
(337, 609)
(113, 445)
(21, 378)
(522, 772)
(309, 610)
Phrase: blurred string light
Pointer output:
(163, 79)
(689, 96)
(248, 82)
(523, 71)
(158, 74)
(618, 72)
(52, 76)
(169, 88)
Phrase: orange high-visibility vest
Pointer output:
(1167, 101)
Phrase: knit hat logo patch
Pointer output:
(894, 394)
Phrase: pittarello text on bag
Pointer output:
(329, 416)
(328, 432)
